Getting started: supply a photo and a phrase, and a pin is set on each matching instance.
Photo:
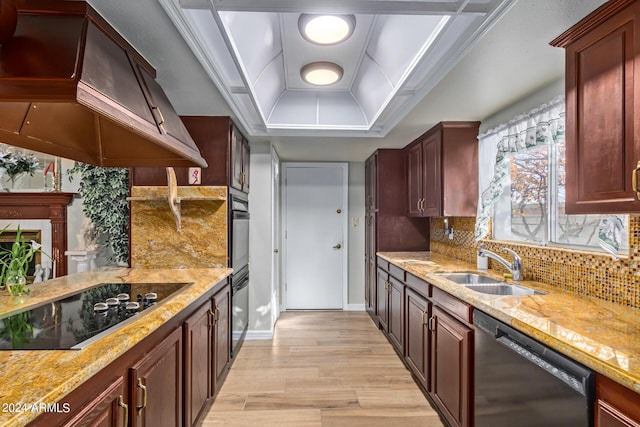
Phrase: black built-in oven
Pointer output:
(239, 257)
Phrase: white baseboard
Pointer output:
(355, 307)
(259, 335)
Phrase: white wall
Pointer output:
(262, 301)
(356, 236)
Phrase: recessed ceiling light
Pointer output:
(326, 29)
(321, 73)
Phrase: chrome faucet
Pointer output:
(513, 267)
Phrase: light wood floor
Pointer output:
(321, 369)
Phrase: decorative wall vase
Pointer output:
(15, 282)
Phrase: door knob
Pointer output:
(338, 246)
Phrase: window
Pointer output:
(529, 186)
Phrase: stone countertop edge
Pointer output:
(601, 335)
(34, 377)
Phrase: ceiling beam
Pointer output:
(387, 7)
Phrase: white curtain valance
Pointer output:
(541, 126)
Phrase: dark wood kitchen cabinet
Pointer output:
(387, 228)
(222, 336)
(198, 345)
(451, 358)
(442, 171)
(108, 409)
(616, 405)
(417, 349)
(156, 385)
(390, 303)
(602, 62)
(206, 354)
(221, 144)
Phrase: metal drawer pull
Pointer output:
(634, 180)
(126, 410)
(212, 317)
(144, 396)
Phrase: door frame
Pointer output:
(345, 223)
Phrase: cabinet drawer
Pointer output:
(383, 264)
(418, 285)
(397, 272)
(452, 304)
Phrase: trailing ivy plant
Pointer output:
(104, 192)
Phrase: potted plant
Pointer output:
(15, 263)
(17, 164)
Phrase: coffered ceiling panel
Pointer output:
(398, 51)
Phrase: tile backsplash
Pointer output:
(588, 273)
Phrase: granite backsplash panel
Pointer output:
(202, 242)
(587, 273)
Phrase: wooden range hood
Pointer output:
(72, 87)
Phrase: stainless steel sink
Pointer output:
(468, 278)
(488, 285)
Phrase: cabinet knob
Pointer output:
(275, 251)
(338, 246)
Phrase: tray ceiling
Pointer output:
(399, 50)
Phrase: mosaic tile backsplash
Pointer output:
(587, 273)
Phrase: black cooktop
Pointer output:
(75, 321)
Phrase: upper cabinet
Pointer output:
(442, 171)
(239, 161)
(602, 127)
(221, 144)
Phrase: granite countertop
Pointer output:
(33, 377)
(601, 335)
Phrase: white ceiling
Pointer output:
(510, 61)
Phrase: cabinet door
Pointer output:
(396, 314)
(616, 405)
(156, 383)
(371, 276)
(432, 175)
(417, 345)
(222, 336)
(451, 361)
(414, 180)
(236, 158)
(602, 129)
(382, 295)
(108, 409)
(246, 162)
(371, 181)
(197, 361)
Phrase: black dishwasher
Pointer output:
(520, 382)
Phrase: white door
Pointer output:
(315, 230)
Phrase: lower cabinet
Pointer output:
(382, 298)
(451, 352)
(108, 409)
(222, 337)
(390, 305)
(616, 406)
(396, 314)
(417, 345)
(206, 354)
(156, 384)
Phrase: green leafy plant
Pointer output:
(104, 192)
(17, 163)
(17, 328)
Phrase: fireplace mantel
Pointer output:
(51, 205)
